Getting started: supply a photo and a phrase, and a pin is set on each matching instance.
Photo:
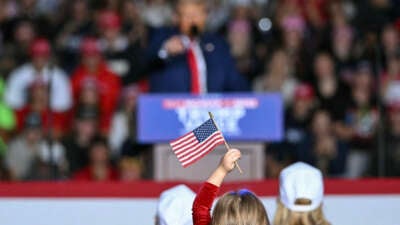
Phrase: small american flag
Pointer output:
(194, 145)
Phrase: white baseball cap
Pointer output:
(301, 181)
(175, 206)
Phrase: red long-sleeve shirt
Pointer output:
(203, 202)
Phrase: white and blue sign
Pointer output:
(240, 117)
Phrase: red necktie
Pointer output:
(194, 71)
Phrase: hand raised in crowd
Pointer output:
(226, 165)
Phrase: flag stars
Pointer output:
(205, 130)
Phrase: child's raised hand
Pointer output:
(228, 161)
(225, 166)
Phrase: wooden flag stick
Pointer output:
(226, 143)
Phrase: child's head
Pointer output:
(239, 207)
(301, 192)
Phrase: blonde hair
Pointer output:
(240, 208)
(284, 216)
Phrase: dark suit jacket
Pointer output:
(173, 74)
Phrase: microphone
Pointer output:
(194, 31)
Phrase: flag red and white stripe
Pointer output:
(194, 145)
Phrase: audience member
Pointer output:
(23, 35)
(40, 87)
(130, 168)
(54, 123)
(390, 80)
(134, 161)
(99, 167)
(85, 128)
(93, 75)
(39, 69)
(73, 30)
(301, 193)
(123, 57)
(31, 156)
(278, 77)
(390, 42)
(132, 24)
(240, 36)
(362, 117)
(333, 95)
(297, 120)
(343, 51)
(123, 124)
(321, 147)
(293, 29)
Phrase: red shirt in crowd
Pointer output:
(108, 86)
(57, 120)
(88, 175)
(203, 202)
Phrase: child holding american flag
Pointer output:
(236, 207)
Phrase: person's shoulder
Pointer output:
(59, 74)
(23, 70)
(77, 72)
(119, 117)
(112, 77)
(16, 144)
(59, 71)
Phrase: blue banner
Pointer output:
(240, 117)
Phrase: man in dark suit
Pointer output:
(191, 60)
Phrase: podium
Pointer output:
(246, 120)
(167, 166)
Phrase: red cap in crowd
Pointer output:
(304, 91)
(40, 48)
(109, 20)
(90, 47)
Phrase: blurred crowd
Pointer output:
(71, 72)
